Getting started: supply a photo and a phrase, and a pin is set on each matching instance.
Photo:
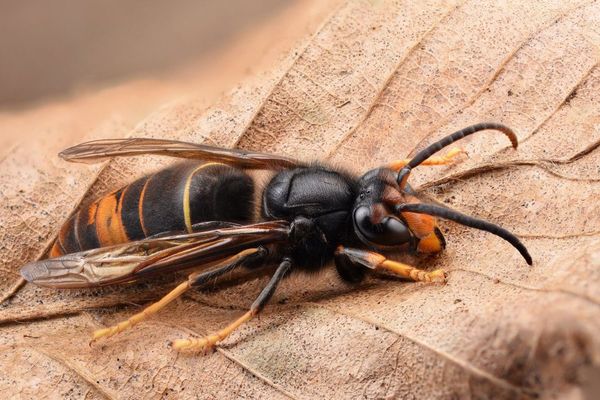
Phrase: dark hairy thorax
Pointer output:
(318, 201)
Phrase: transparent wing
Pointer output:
(99, 150)
(134, 261)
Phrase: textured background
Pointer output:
(356, 84)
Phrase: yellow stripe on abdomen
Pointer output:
(187, 215)
(141, 206)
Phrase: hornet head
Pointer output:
(387, 214)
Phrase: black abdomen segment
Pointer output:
(172, 199)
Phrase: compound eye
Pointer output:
(389, 232)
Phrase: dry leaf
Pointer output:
(375, 81)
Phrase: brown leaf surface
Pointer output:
(371, 83)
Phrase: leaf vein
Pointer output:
(464, 364)
(75, 368)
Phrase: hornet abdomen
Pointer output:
(173, 199)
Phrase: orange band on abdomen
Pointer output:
(109, 227)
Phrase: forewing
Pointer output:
(134, 261)
(99, 150)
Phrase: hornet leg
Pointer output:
(446, 159)
(195, 279)
(210, 341)
(378, 262)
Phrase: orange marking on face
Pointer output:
(430, 244)
(420, 224)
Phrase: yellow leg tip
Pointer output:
(454, 151)
(100, 333)
(439, 275)
(203, 344)
(181, 344)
